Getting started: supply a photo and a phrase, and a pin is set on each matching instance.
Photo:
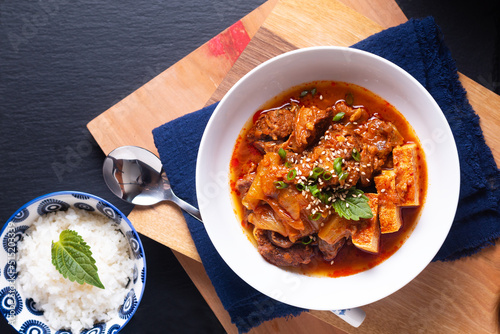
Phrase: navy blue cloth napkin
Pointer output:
(418, 47)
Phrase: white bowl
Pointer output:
(379, 76)
(21, 311)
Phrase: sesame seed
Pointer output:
(382, 190)
(321, 97)
(347, 205)
(363, 173)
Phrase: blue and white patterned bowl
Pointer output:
(20, 311)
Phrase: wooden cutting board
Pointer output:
(447, 297)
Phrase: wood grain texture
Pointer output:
(384, 13)
(457, 297)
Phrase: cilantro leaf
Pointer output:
(73, 259)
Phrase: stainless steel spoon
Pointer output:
(136, 175)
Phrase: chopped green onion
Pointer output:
(327, 175)
(338, 116)
(343, 175)
(300, 186)
(323, 197)
(282, 153)
(313, 91)
(288, 164)
(291, 174)
(316, 216)
(355, 154)
(304, 93)
(349, 99)
(313, 189)
(280, 184)
(308, 241)
(317, 171)
(337, 165)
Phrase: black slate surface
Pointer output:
(63, 62)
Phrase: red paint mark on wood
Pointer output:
(215, 46)
(230, 43)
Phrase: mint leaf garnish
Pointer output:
(73, 259)
(354, 207)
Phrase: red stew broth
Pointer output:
(350, 260)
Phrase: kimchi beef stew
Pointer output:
(328, 179)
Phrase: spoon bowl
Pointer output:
(136, 175)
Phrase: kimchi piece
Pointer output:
(321, 176)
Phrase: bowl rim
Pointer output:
(123, 216)
(401, 72)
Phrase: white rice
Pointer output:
(67, 304)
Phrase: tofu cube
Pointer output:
(367, 234)
(407, 176)
(389, 214)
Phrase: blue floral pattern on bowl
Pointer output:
(31, 306)
(34, 327)
(11, 303)
(20, 216)
(129, 305)
(20, 310)
(114, 329)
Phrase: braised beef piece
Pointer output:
(267, 146)
(292, 256)
(330, 251)
(243, 184)
(274, 125)
(279, 240)
(351, 114)
(310, 125)
(378, 140)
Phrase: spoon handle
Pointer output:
(187, 207)
(353, 316)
